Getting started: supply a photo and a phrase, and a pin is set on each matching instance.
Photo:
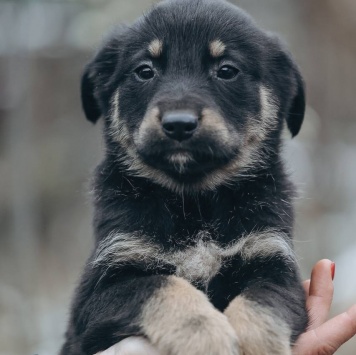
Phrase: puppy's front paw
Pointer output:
(259, 332)
(208, 334)
(179, 320)
(205, 334)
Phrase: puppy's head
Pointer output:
(193, 94)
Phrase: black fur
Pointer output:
(169, 206)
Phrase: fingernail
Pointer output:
(332, 270)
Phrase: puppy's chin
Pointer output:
(185, 166)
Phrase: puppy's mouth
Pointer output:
(187, 165)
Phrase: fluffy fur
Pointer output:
(193, 220)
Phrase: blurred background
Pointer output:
(48, 149)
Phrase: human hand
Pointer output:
(324, 337)
(132, 346)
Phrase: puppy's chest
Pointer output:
(199, 263)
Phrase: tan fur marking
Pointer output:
(269, 107)
(258, 128)
(149, 123)
(115, 111)
(214, 122)
(118, 130)
(180, 320)
(217, 48)
(259, 331)
(155, 48)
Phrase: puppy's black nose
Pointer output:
(179, 125)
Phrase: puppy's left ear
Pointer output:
(89, 102)
(295, 116)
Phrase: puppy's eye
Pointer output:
(145, 72)
(227, 72)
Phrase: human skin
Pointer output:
(323, 336)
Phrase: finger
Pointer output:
(321, 292)
(328, 337)
(338, 330)
(131, 346)
(306, 286)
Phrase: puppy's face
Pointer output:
(193, 94)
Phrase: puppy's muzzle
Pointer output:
(179, 125)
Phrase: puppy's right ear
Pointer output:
(89, 101)
(97, 75)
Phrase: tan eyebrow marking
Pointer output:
(217, 48)
(155, 48)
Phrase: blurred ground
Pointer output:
(47, 150)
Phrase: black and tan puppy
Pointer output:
(193, 217)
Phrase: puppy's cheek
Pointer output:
(259, 332)
(213, 125)
(145, 141)
(259, 127)
(179, 320)
(117, 128)
(149, 127)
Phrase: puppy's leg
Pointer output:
(260, 331)
(269, 312)
(172, 314)
(107, 308)
(179, 319)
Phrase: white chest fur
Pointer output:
(197, 263)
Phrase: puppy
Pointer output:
(193, 217)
